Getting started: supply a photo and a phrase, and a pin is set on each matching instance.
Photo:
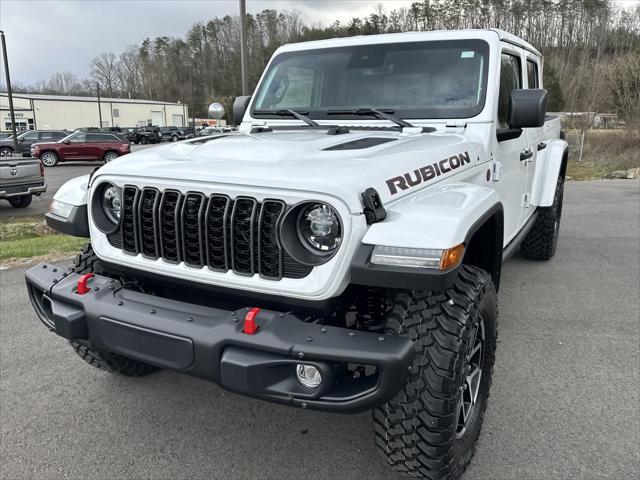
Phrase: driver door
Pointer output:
(510, 171)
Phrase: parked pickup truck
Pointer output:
(341, 251)
(20, 180)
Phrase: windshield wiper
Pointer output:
(387, 115)
(289, 113)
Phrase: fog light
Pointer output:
(308, 375)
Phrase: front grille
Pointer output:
(215, 231)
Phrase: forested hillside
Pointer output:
(591, 48)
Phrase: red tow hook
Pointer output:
(82, 283)
(250, 325)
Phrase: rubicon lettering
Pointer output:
(424, 174)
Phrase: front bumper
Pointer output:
(20, 190)
(209, 342)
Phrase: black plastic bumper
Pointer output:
(209, 342)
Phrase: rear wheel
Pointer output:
(430, 429)
(6, 152)
(87, 261)
(542, 240)
(110, 156)
(174, 138)
(22, 201)
(143, 141)
(49, 159)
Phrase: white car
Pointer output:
(342, 250)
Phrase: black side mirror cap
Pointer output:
(527, 108)
(240, 106)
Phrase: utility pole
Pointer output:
(9, 93)
(244, 69)
(99, 108)
(193, 105)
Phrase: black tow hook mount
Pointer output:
(373, 209)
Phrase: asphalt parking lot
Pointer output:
(54, 177)
(564, 401)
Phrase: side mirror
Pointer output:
(527, 108)
(240, 106)
(67, 142)
(21, 140)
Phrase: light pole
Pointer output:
(9, 93)
(244, 69)
(193, 105)
(99, 108)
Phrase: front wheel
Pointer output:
(49, 159)
(174, 138)
(110, 156)
(5, 152)
(431, 427)
(22, 201)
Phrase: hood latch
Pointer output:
(373, 209)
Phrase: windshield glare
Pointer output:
(443, 79)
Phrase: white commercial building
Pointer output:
(35, 111)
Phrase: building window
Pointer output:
(116, 112)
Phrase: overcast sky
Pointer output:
(52, 35)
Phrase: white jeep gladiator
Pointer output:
(341, 251)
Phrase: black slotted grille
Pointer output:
(148, 221)
(191, 227)
(216, 225)
(170, 226)
(213, 231)
(129, 221)
(243, 235)
(269, 249)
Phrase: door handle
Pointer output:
(526, 155)
(542, 146)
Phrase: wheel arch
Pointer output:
(484, 243)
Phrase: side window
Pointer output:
(97, 137)
(59, 135)
(510, 79)
(46, 136)
(78, 138)
(31, 137)
(532, 74)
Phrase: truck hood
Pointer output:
(342, 165)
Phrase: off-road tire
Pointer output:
(542, 240)
(417, 431)
(22, 201)
(87, 261)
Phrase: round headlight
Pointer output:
(319, 228)
(112, 203)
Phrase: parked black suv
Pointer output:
(144, 135)
(28, 138)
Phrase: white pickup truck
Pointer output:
(342, 251)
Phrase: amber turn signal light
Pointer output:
(451, 257)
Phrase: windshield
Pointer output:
(436, 79)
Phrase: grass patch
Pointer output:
(603, 152)
(39, 246)
(27, 237)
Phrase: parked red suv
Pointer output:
(81, 146)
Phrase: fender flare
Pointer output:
(550, 164)
(439, 218)
(74, 193)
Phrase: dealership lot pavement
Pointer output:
(564, 402)
(54, 177)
